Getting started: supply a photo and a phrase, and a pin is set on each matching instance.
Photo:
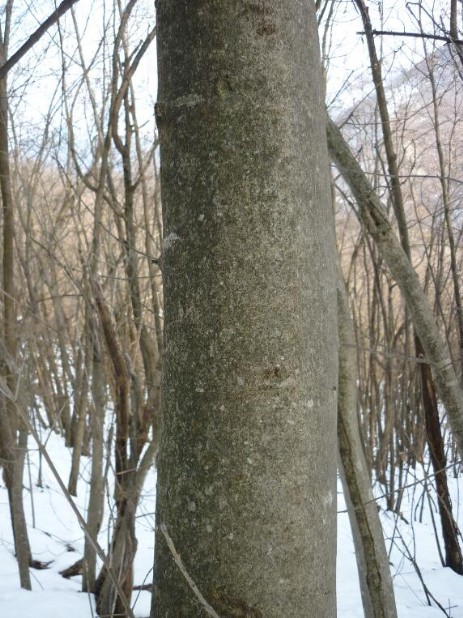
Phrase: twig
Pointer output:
(178, 561)
(414, 484)
(416, 35)
(427, 592)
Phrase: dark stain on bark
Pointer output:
(266, 28)
(261, 8)
(230, 607)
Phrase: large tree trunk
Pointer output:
(246, 485)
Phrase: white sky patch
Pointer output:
(348, 70)
(36, 86)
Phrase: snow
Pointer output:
(55, 536)
(407, 541)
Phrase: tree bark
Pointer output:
(246, 481)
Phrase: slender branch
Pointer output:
(409, 485)
(127, 77)
(35, 36)
(178, 561)
(416, 35)
(426, 590)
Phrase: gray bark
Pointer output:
(246, 481)
(372, 561)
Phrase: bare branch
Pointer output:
(416, 35)
(35, 37)
(178, 561)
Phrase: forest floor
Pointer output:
(56, 537)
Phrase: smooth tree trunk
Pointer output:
(372, 561)
(246, 479)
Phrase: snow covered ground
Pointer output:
(55, 536)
